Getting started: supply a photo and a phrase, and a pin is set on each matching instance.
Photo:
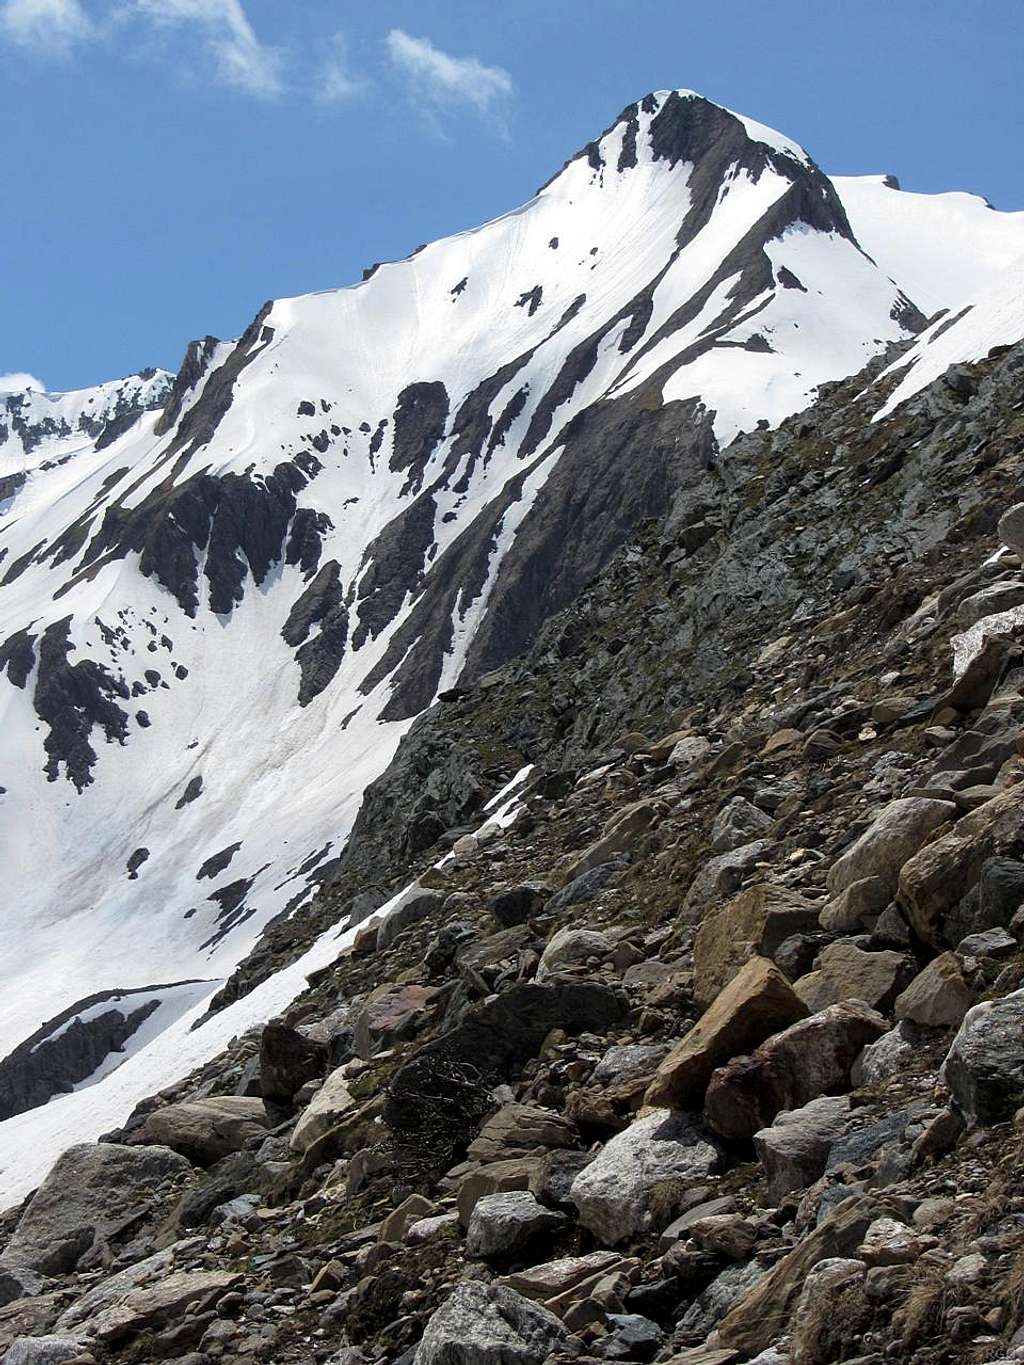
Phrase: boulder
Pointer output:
(584, 887)
(984, 1068)
(502, 1224)
(935, 881)
(756, 1003)
(623, 832)
(157, 1304)
(688, 751)
(625, 1062)
(719, 878)
(895, 835)
(613, 1194)
(288, 1060)
(762, 1315)
(517, 1129)
(570, 947)
(89, 1193)
(542, 1283)
(886, 1056)
(205, 1130)
(489, 1324)
(938, 997)
(994, 598)
(323, 1112)
(389, 1013)
(516, 905)
(29, 1317)
(794, 1150)
(830, 1306)
(398, 1222)
(861, 901)
(812, 1057)
(846, 972)
(890, 1242)
(516, 1173)
(1011, 528)
(737, 823)
(415, 905)
(18, 1282)
(992, 943)
(757, 921)
(43, 1351)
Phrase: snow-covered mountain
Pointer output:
(223, 604)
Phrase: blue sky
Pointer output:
(170, 164)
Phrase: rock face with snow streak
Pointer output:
(250, 579)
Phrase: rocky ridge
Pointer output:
(710, 1050)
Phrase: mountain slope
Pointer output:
(217, 625)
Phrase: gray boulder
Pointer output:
(896, 834)
(570, 947)
(503, 1223)
(738, 823)
(1011, 528)
(984, 1068)
(18, 1282)
(720, 877)
(489, 1324)
(89, 1193)
(613, 1194)
(205, 1130)
(794, 1150)
(42, 1351)
(415, 905)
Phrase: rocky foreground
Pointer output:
(715, 1052)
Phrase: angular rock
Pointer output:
(719, 878)
(555, 1278)
(761, 1316)
(613, 1194)
(831, 1302)
(415, 905)
(810, 1058)
(794, 1150)
(984, 1068)
(757, 921)
(886, 1056)
(1011, 528)
(324, 1111)
(489, 1324)
(584, 887)
(991, 943)
(890, 1242)
(938, 997)
(520, 1128)
(860, 901)
(846, 972)
(288, 1060)
(516, 905)
(19, 1282)
(569, 947)
(895, 835)
(737, 823)
(627, 1062)
(154, 1305)
(756, 1003)
(622, 832)
(389, 1013)
(934, 882)
(205, 1130)
(501, 1224)
(399, 1220)
(515, 1174)
(42, 1350)
(90, 1191)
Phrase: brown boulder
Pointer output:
(810, 1058)
(756, 1003)
(846, 972)
(756, 921)
(389, 1013)
(938, 997)
(895, 835)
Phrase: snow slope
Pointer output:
(942, 248)
(220, 617)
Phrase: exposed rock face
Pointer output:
(87, 1194)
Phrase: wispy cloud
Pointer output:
(52, 27)
(18, 380)
(337, 82)
(240, 60)
(443, 81)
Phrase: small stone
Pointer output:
(890, 1242)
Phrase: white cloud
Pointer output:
(443, 80)
(337, 82)
(16, 382)
(240, 59)
(53, 27)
